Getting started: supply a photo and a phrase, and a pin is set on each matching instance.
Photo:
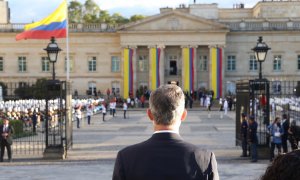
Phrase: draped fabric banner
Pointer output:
(128, 72)
(216, 71)
(188, 60)
(155, 61)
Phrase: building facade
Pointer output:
(199, 46)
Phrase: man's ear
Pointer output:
(184, 114)
(150, 115)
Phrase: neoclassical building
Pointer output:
(196, 46)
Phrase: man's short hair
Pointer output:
(167, 104)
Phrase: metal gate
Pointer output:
(266, 100)
(58, 120)
(39, 115)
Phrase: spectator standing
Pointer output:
(89, 113)
(128, 101)
(166, 154)
(34, 121)
(113, 107)
(244, 131)
(253, 140)
(125, 109)
(285, 125)
(103, 111)
(276, 131)
(225, 106)
(78, 115)
(294, 135)
(6, 132)
(143, 101)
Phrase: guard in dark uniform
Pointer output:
(244, 131)
(253, 140)
(6, 132)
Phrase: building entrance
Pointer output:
(173, 67)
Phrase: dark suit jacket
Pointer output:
(9, 137)
(165, 156)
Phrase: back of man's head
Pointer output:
(167, 104)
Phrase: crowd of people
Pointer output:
(280, 131)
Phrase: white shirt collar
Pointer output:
(166, 131)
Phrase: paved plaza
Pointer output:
(96, 145)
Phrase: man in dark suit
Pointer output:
(6, 132)
(165, 155)
(285, 125)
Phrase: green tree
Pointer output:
(136, 17)
(75, 12)
(104, 17)
(91, 11)
(117, 18)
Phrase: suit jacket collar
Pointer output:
(166, 136)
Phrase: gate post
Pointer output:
(54, 121)
(253, 98)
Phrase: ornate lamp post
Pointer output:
(261, 49)
(52, 52)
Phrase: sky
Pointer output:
(27, 11)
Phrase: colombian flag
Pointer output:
(55, 25)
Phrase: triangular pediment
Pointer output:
(173, 21)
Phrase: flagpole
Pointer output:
(67, 44)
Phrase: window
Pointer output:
(252, 63)
(115, 88)
(115, 64)
(71, 64)
(202, 65)
(45, 64)
(231, 63)
(298, 62)
(173, 64)
(1, 63)
(92, 89)
(277, 63)
(22, 63)
(92, 64)
(143, 63)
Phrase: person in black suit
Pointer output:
(165, 155)
(285, 125)
(6, 132)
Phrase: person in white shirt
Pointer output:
(225, 106)
(125, 109)
(113, 107)
(103, 111)
(89, 113)
(78, 115)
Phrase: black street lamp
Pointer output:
(52, 52)
(261, 49)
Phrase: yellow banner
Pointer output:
(186, 69)
(214, 73)
(153, 68)
(126, 73)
